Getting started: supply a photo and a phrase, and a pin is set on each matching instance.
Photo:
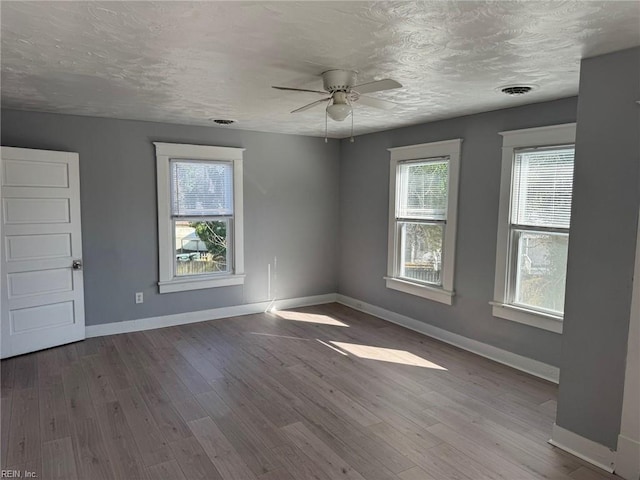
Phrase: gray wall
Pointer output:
(290, 198)
(364, 187)
(604, 219)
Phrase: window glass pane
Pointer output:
(541, 267)
(422, 190)
(421, 251)
(201, 188)
(201, 247)
(542, 187)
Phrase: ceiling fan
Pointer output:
(343, 91)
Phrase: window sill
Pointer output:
(532, 318)
(182, 285)
(420, 290)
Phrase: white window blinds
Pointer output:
(200, 189)
(542, 188)
(422, 190)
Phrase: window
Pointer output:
(533, 233)
(423, 201)
(199, 216)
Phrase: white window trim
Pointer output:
(164, 153)
(447, 148)
(563, 134)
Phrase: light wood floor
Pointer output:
(270, 397)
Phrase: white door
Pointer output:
(41, 269)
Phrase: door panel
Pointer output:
(37, 318)
(42, 295)
(39, 282)
(38, 247)
(18, 211)
(23, 173)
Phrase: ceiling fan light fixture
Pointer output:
(339, 111)
(343, 91)
(340, 107)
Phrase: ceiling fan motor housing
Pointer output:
(338, 80)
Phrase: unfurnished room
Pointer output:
(359, 240)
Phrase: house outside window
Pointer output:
(199, 216)
(422, 219)
(533, 232)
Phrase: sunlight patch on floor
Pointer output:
(278, 336)
(333, 348)
(310, 318)
(386, 355)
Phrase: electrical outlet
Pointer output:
(139, 297)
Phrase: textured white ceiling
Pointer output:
(190, 62)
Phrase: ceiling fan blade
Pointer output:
(299, 90)
(377, 86)
(376, 103)
(311, 105)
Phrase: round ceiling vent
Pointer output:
(516, 89)
(220, 121)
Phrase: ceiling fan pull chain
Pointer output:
(326, 126)
(352, 140)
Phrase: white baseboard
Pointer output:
(628, 458)
(528, 365)
(204, 315)
(588, 450)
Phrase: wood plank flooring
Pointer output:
(318, 393)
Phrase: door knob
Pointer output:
(77, 265)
